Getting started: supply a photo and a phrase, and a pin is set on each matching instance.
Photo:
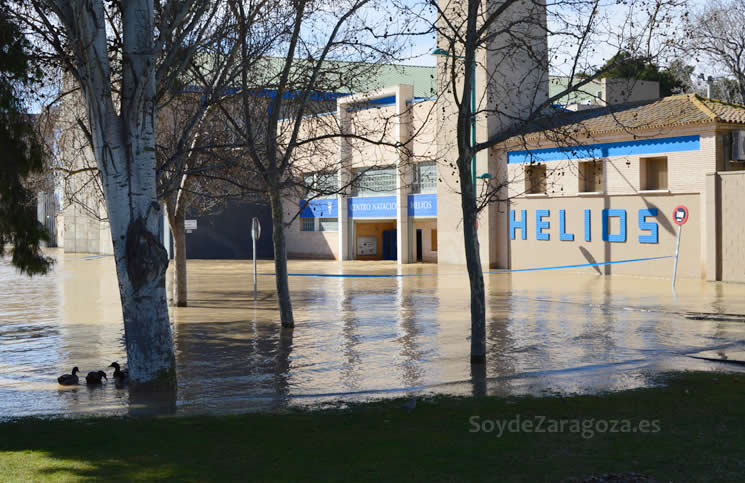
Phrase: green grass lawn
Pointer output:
(700, 417)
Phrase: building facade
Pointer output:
(591, 185)
(603, 202)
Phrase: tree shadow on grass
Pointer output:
(127, 449)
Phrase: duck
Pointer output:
(94, 377)
(69, 379)
(119, 375)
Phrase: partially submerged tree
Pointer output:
(276, 96)
(188, 139)
(122, 67)
(185, 139)
(23, 154)
(503, 48)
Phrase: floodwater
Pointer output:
(358, 338)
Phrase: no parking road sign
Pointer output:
(680, 216)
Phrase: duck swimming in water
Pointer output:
(94, 377)
(119, 375)
(69, 379)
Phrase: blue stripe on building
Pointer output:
(372, 207)
(604, 150)
(423, 205)
(319, 208)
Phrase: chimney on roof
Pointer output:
(620, 91)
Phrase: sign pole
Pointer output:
(254, 254)
(677, 249)
(255, 234)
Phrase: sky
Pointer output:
(419, 52)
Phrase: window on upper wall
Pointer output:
(325, 185)
(535, 179)
(328, 224)
(309, 224)
(653, 173)
(591, 176)
(425, 177)
(374, 181)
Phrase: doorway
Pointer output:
(389, 245)
(419, 245)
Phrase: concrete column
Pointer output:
(404, 95)
(710, 228)
(345, 252)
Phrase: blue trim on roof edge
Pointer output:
(604, 150)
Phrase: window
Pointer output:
(591, 176)
(328, 224)
(374, 181)
(653, 173)
(434, 240)
(309, 224)
(535, 179)
(327, 184)
(425, 177)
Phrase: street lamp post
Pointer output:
(444, 53)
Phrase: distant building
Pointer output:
(594, 186)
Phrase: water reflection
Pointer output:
(355, 338)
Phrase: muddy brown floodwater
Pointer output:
(358, 338)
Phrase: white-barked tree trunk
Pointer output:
(123, 142)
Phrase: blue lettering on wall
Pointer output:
(522, 224)
(372, 207)
(540, 225)
(563, 235)
(319, 208)
(423, 205)
(617, 237)
(645, 225)
(649, 230)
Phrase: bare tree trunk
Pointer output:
(280, 261)
(466, 119)
(179, 257)
(124, 147)
(473, 264)
(741, 86)
(141, 263)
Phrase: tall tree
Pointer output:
(503, 47)
(623, 65)
(123, 55)
(716, 32)
(23, 152)
(183, 112)
(276, 95)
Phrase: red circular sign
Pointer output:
(680, 215)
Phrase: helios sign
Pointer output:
(541, 221)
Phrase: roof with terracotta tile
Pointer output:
(724, 111)
(668, 112)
